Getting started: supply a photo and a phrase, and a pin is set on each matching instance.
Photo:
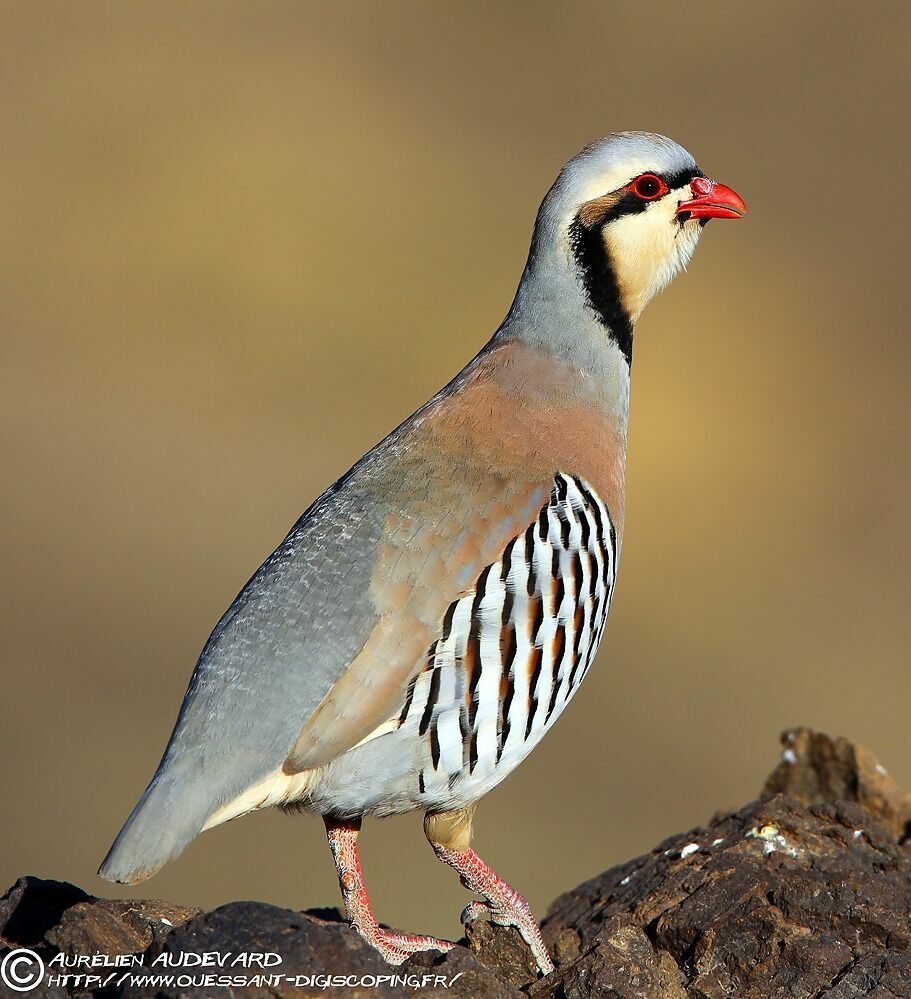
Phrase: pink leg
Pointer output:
(504, 905)
(395, 947)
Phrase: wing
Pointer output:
(329, 631)
(433, 544)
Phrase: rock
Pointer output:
(502, 948)
(789, 896)
(621, 962)
(115, 927)
(56, 917)
(803, 893)
(33, 907)
(816, 768)
(310, 948)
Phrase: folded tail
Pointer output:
(171, 812)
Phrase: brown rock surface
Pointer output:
(816, 768)
(804, 893)
(776, 899)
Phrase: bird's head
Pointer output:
(622, 218)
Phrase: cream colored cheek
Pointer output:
(647, 250)
(638, 245)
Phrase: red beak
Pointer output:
(712, 201)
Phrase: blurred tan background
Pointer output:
(240, 242)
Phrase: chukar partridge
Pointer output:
(429, 617)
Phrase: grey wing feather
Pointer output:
(271, 659)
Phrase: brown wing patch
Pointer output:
(360, 698)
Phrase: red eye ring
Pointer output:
(648, 187)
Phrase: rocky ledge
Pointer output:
(805, 892)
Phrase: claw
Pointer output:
(475, 910)
(503, 905)
(396, 948)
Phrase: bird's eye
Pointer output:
(648, 187)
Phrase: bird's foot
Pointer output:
(503, 906)
(398, 947)
(517, 912)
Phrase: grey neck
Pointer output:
(551, 313)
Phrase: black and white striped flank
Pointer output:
(513, 651)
